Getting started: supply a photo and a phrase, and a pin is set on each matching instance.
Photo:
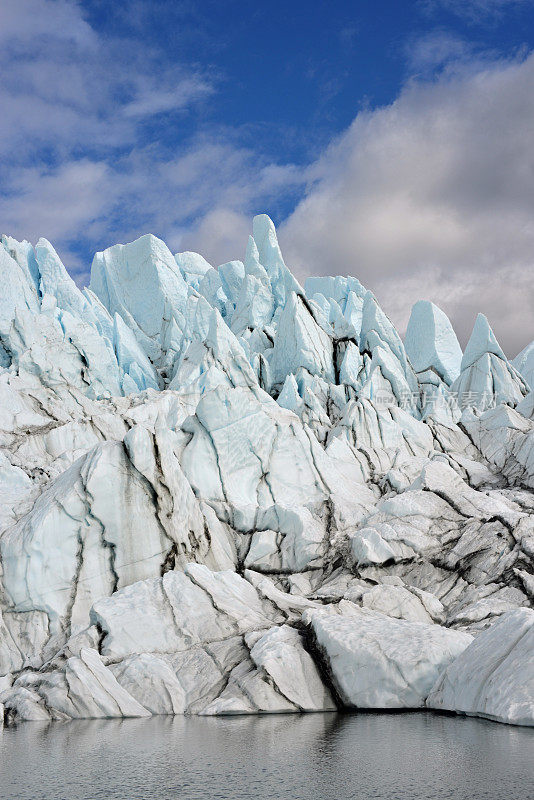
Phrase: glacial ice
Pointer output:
(494, 676)
(431, 342)
(376, 661)
(486, 372)
(222, 493)
(524, 364)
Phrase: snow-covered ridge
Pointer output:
(223, 492)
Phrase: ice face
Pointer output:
(481, 341)
(220, 493)
(193, 267)
(143, 283)
(431, 342)
(524, 363)
(487, 377)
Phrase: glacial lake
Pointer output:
(415, 756)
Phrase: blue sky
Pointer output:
(391, 140)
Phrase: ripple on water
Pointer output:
(417, 756)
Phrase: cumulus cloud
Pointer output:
(220, 235)
(202, 199)
(42, 18)
(433, 196)
(81, 156)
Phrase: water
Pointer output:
(415, 756)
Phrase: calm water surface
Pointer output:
(299, 757)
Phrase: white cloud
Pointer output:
(433, 196)
(476, 11)
(150, 100)
(76, 163)
(436, 49)
(202, 199)
(26, 20)
(66, 89)
(57, 202)
(220, 235)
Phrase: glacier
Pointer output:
(224, 492)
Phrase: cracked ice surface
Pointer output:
(222, 493)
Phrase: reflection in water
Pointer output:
(299, 757)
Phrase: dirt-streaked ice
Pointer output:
(222, 493)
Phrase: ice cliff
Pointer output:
(222, 492)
